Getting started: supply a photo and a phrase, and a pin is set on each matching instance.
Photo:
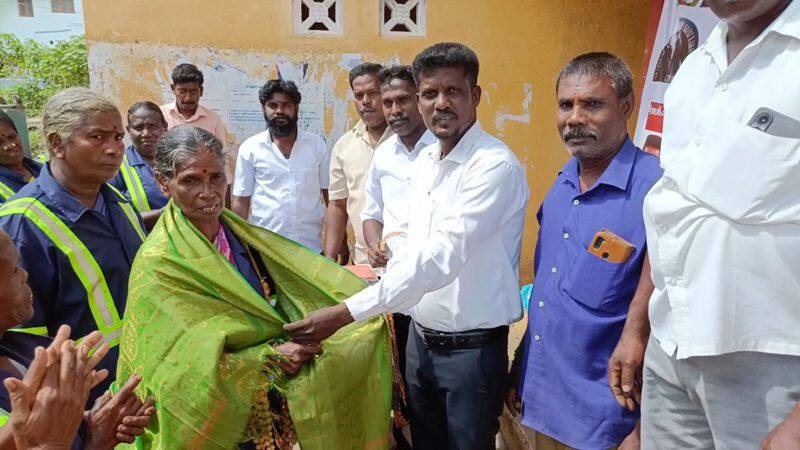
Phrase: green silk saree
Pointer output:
(201, 338)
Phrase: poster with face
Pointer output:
(683, 26)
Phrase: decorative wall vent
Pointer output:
(317, 17)
(402, 17)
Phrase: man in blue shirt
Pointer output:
(76, 236)
(584, 303)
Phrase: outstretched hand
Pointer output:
(319, 325)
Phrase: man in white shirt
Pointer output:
(459, 275)
(350, 159)
(722, 369)
(387, 187)
(282, 173)
(385, 215)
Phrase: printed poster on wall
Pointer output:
(682, 27)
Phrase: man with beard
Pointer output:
(459, 275)
(585, 304)
(281, 177)
(722, 368)
(187, 87)
(350, 161)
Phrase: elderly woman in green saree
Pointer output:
(208, 297)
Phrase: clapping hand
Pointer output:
(47, 404)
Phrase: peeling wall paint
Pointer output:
(501, 118)
(522, 45)
(232, 80)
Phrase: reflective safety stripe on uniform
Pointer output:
(101, 303)
(39, 331)
(129, 213)
(5, 192)
(134, 185)
(3, 417)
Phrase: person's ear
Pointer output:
(161, 180)
(201, 90)
(476, 95)
(172, 88)
(627, 104)
(56, 145)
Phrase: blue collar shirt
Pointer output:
(58, 295)
(14, 180)
(155, 197)
(580, 302)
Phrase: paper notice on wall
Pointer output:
(684, 25)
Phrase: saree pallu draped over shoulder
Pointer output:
(201, 338)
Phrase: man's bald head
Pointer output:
(16, 298)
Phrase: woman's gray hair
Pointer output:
(180, 144)
(66, 110)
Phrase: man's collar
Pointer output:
(617, 174)
(69, 206)
(198, 113)
(134, 158)
(360, 131)
(463, 149)
(425, 140)
(787, 24)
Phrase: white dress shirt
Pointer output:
(387, 187)
(723, 224)
(285, 193)
(460, 270)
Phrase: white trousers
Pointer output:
(728, 401)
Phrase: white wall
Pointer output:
(45, 26)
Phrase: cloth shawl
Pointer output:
(200, 336)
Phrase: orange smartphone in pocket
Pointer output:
(610, 247)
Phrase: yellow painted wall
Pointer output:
(519, 43)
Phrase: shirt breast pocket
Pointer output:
(750, 176)
(594, 282)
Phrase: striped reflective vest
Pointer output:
(5, 192)
(134, 185)
(101, 303)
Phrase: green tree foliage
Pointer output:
(45, 69)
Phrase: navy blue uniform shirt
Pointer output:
(580, 302)
(58, 295)
(155, 197)
(14, 180)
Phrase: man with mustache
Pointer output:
(587, 308)
(458, 277)
(282, 173)
(722, 368)
(385, 215)
(350, 161)
(187, 86)
(386, 208)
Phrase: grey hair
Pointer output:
(600, 64)
(180, 144)
(66, 110)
